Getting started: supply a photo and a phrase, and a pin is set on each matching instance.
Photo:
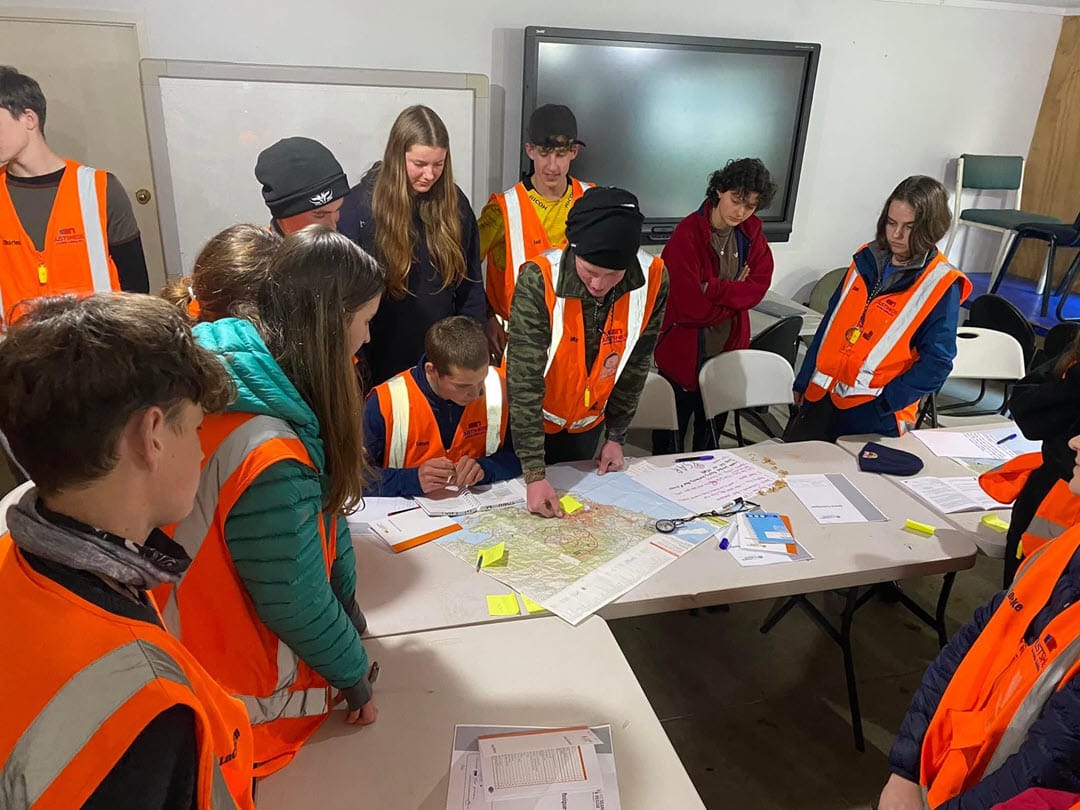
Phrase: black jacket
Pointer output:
(398, 329)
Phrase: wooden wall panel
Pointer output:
(1052, 175)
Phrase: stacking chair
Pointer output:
(994, 312)
(1057, 340)
(743, 378)
(781, 338)
(656, 408)
(9, 499)
(823, 290)
(1055, 236)
(984, 355)
(992, 173)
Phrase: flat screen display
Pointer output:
(660, 113)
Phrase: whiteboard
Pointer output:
(208, 122)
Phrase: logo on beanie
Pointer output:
(323, 197)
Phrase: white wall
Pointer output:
(901, 87)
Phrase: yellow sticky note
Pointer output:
(492, 555)
(531, 606)
(570, 504)
(921, 528)
(503, 604)
(995, 523)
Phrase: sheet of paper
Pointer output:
(466, 790)
(412, 528)
(951, 495)
(517, 765)
(701, 486)
(531, 606)
(503, 604)
(980, 444)
(490, 556)
(464, 501)
(375, 509)
(751, 556)
(832, 498)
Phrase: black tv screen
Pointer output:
(659, 113)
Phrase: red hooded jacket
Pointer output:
(692, 267)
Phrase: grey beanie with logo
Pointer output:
(298, 175)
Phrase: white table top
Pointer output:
(759, 321)
(427, 588)
(990, 541)
(537, 673)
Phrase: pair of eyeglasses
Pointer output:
(669, 525)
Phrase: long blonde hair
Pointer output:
(317, 280)
(393, 200)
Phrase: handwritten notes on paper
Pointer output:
(976, 443)
(700, 486)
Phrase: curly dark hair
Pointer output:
(747, 175)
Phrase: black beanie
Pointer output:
(298, 175)
(604, 227)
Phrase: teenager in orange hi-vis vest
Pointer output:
(585, 325)
(268, 605)
(998, 710)
(530, 217)
(889, 336)
(103, 707)
(65, 227)
(443, 422)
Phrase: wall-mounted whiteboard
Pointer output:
(208, 121)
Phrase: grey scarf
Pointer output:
(127, 563)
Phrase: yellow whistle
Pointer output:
(588, 397)
(42, 274)
(853, 334)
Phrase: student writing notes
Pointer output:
(443, 421)
(269, 604)
(103, 708)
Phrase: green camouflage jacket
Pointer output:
(526, 354)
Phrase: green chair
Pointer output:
(823, 290)
(992, 173)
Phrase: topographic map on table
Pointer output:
(575, 565)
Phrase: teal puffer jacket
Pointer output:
(272, 532)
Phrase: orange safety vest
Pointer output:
(867, 344)
(1001, 686)
(412, 433)
(211, 612)
(525, 237)
(1058, 512)
(574, 397)
(76, 255)
(92, 683)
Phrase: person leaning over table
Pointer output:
(601, 296)
(998, 711)
(889, 336)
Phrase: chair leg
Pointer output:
(996, 282)
(1066, 284)
(738, 431)
(715, 432)
(1008, 239)
(1048, 277)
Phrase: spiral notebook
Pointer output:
(466, 500)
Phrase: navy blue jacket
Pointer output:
(398, 328)
(1049, 755)
(934, 339)
(405, 481)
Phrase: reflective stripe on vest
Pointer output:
(515, 233)
(69, 720)
(399, 432)
(193, 530)
(95, 239)
(493, 399)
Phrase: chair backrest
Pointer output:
(656, 406)
(9, 499)
(1058, 340)
(994, 312)
(986, 354)
(824, 289)
(1002, 172)
(745, 378)
(781, 338)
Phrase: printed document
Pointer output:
(469, 790)
(832, 498)
(977, 443)
(952, 495)
(372, 509)
(467, 500)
